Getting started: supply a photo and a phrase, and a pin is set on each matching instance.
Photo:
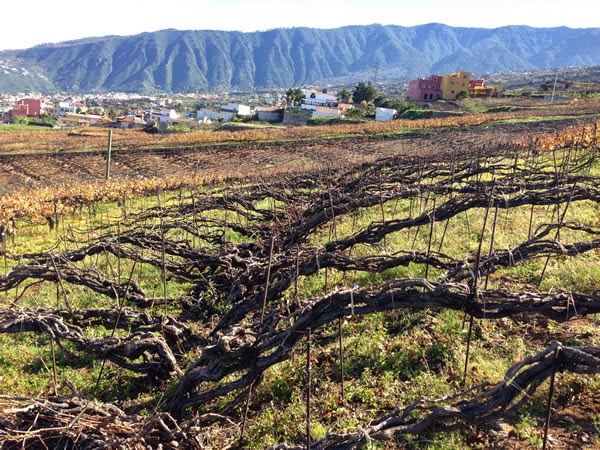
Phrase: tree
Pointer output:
(355, 113)
(96, 110)
(397, 104)
(364, 92)
(344, 95)
(294, 96)
(379, 100)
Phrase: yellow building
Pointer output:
(454, 84)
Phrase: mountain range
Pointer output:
(202, 60)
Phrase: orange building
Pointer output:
(435, 87)
(477, 88)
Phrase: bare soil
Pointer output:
(215, 163)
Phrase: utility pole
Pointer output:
(376, 72)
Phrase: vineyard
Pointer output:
(433, 289)
(90, 139)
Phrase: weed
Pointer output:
(596, 422)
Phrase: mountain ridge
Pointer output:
(210, 60)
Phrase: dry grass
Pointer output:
(94, 139)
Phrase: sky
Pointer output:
(25, 23)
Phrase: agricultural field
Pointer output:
(419, 284)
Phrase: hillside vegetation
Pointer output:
(197, 61)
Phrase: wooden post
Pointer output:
(557, 235)
(341, 338)
(550, 394)
(430, 238)
(108, 154)
(487, 274)
(246, 410)
(297, 273)
(4, 250)
(382, 209)
(308, 438)
(444, 234)
(54, 374)
(268, 277)
(163, 261)
(464, 380)
(474, 294)
(530, 222)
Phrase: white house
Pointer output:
(231, 109)
(206, 116)
(163, 117)
(313, 100)
(65, 108)
(385, 114)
